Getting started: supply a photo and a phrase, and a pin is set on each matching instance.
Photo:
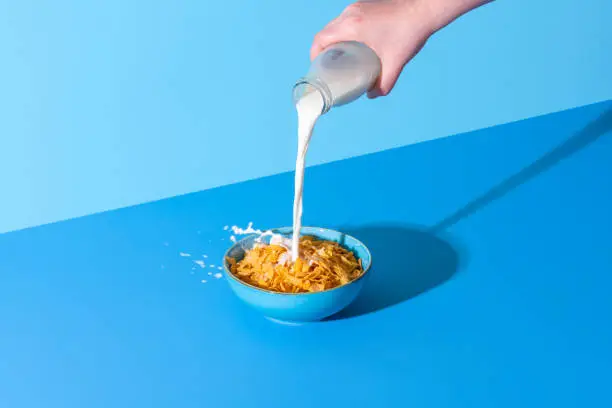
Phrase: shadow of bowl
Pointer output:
(408, 261)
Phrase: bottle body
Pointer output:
(341, 73)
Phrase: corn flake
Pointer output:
(322, 265)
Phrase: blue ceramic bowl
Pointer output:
(299, 307)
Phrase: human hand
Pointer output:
(395, 29)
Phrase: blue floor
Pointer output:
(490, 288)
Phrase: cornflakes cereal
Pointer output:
(322, 265)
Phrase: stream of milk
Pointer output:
(309, 108)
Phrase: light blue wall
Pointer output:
(105, 104)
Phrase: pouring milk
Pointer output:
(339, 75)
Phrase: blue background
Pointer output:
(491, 248)
(490, 286)
(106, 104)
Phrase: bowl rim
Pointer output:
(235, 278)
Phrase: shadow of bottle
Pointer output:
(407, 261)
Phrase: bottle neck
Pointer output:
(307, 85)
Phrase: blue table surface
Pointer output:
(491, 286)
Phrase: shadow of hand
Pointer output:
(406, 262)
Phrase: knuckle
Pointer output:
(353, 14)
(354, 20)
(356, 7)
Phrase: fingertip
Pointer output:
(386, 84)
(314, 51)
(373, 94)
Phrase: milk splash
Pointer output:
(309, 108)
(275, 239)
